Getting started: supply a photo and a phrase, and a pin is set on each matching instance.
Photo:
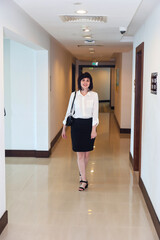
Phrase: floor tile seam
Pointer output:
(26, 182)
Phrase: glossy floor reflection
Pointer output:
(43, 200)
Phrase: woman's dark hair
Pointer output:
(85, 75)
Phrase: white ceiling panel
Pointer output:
(106, 34)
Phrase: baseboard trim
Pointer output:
(55, 139)
(152, 212)
(125, 130)
(33, 153)
(100, 101)
(27, 153)
(3, 221)
(122, 130)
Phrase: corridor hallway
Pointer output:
(44, 203)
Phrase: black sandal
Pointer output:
(83, 188)
(80, 178)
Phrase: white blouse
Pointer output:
(84, 106)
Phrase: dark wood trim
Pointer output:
(99, 66)
(138, 106)
(27, 153)
(33, 153)
(73, 77)
(112, 107)
(125, 130)
(152, 212)
(56, 138)
(43, 154)
(100, 101)
(122, 130)
(131, 159)
(3, 221)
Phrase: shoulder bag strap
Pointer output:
(73, 102)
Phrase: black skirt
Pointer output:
(81, 135)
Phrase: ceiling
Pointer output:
(129, 14)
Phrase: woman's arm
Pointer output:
(95, 116)
(64, 132)
(94, 133)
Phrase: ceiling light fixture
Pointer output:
(81, 11)
(83, 18)
(89, 41)
(77, 3)
(87, 37)
(86, 30)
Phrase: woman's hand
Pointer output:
(64, 132)
(93, 133)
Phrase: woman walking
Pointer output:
(85, 121)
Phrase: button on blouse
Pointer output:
(84, 106)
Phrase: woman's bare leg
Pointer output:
(86, 158)
(82, 159)
(81, 164)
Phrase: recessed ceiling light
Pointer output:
(86, 29)
(77, 3)
(87, 37)
(91, 49)
(92, 52)
(81, 11)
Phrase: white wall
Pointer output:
(126, 89)
(118, 96)
(123, 91)
(23, 29)
(101, 81)
(19, 81)
(2, 144)
(26, 97)
(61, 86)
(149, 33)
(42, 102)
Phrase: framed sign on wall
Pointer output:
(117, 78)
(154, 83)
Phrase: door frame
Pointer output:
(80, 70)
(73, 77)
(138, 107)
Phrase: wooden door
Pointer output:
(138, 107)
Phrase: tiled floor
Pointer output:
(43, 200)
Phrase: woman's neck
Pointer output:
(84, 92)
